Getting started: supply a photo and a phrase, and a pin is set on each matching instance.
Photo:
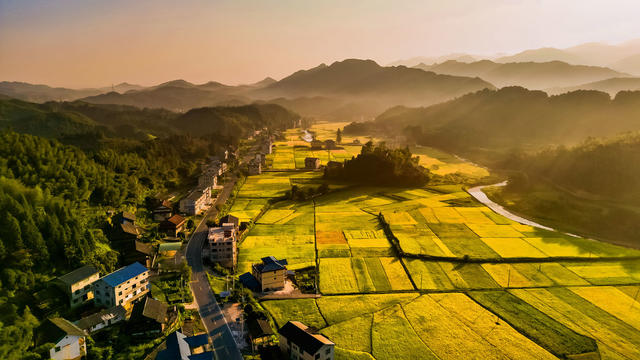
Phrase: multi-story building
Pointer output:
(223, 245)
(297, 342)
(270, 273)
(254, 167)
(77, 284)
(196, 201)
(122, 286)
(312, 163)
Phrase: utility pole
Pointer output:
(508, 277)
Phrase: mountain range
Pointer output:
(532, 75)
(351, 88)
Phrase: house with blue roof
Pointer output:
(122, 287)
(181, 347)
(270, 273)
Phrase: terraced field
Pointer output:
(448, 279)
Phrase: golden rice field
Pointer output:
(462, 282)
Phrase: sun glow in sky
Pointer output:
(82, 43)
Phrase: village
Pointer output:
(151, 298)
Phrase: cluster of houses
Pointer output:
(117, 295)
(200, 198)
(259, 162)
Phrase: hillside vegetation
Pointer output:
(489, 122)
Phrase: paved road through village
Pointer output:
(224, 345)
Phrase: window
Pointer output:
(328, 351)
(56, 349)
(317, 356)
(120, 293)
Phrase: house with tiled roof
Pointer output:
(173, 225)
(298, 342)
(102, 319)
(122, 287)
(69, 341)
(77, 284)
(149, 316)
(270, 273)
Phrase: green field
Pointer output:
(525, 293)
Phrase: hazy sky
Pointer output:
(99, 42)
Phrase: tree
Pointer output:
(339, 136)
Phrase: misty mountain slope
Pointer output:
(532, 75)
(412, 62)
(171, 96)
(611, 86)
(513, 117)
(364, 80)
(42, 93)
(624, 57)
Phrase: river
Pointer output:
(477, 193)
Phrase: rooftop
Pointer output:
(78, 274)
(179, 347)
(170, 246)
(107, 314)
(156, 310)
(297, 333)
(270, 263)
(129, 216)
(128, 272)
(176, 220)
(129, 228)
(53, 330)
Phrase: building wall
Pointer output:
(70, 347)
(293, 351)
(271, 280)
(81, 292)
(122, 294)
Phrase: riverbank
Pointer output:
(564, 212)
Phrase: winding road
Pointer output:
(224, 346)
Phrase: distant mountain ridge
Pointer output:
(348, 89)
(532, 75)
(611, 86)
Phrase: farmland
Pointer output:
(406, 271)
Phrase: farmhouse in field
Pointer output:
(77, 284)
(173, 225)
(182, 347)
(122, 286)
(69, 341)
(297, 342)
(196, 201)
(163, 211)
(312, 163)
(223, 244)
(254, 167)
(316, 144)
(330, 144)
(270, 273)
(102, 319)
(230, 219)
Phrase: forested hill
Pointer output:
(608, 168)
(64, 119)
(514, 117)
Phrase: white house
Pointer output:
(102, 319)
(297, 342)
(122, 286)
(68, 339)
